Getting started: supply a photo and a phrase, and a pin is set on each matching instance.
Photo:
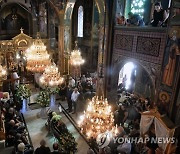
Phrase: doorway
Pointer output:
(127, 76)
(134, 78)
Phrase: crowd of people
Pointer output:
(74, 90)
(16, 133)
(158, 19)
(127, 115)
(43, 149)
(127, 118)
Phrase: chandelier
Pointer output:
(97, 119)
(37, 57)
(3, 72)
(51, 77)
(75, 57)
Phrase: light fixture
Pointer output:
(51, 77)
(3, 72)
(37, 56)
(137, 6)
(75, 57)
(97, 119)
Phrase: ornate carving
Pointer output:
(148, 45)
(124, 42)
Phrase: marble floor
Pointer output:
(38, 131)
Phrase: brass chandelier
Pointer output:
(51, 77)
(97, 119)
(37, 57)
(75, 56)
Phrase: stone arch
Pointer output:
(22, 43)
(117, 66)
(101, 8)
(23, 11)
(66, 27)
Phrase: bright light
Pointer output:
(17, 56)
(137, 6)
(127, 70)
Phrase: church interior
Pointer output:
(89, 76)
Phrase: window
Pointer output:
(137, 7)
(80, 22)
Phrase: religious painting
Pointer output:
(2, 59)
(171, 55)
(21, 60)
(14, 21)
(68, 13)
(163, 102)
(43, 19)
(66, 38)
(175, 19)
(11, 61)
(175, 16)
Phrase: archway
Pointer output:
(13, 17)
(144, 81)
(135, 79)
(127, 76)
(102, 30)
(85, 19)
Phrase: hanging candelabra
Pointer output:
(51, 77)
(75, 56)
(97, 119)
(37, 56)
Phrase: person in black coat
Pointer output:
(160, 16)
(69, 101)
(42, 149)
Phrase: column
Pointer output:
(61, 61)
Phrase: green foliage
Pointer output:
(23, 92)
(52, 90)
(67, 143)
(43, 98)
(56, 117)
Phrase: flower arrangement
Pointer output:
(53, 90)
(43, 98)
(67, 143)
(23, 92)
(56, 117)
